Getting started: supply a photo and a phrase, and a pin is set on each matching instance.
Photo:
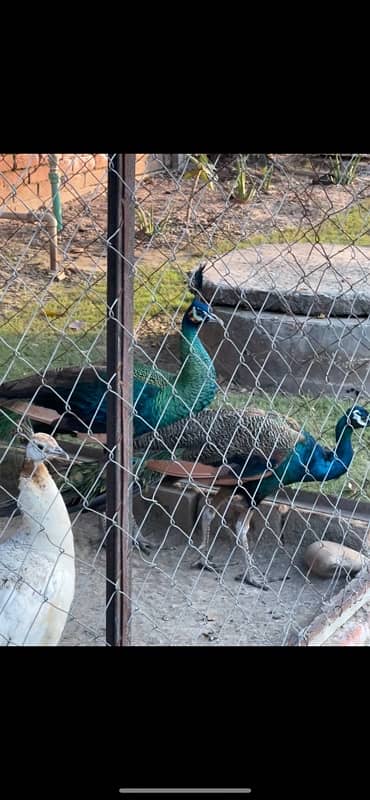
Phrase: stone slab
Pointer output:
(281, 352)
(302, 279)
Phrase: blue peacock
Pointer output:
(159, 397)
(253, 455)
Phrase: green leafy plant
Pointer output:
(146, 223)
(344, 173)
(266, 177)
(203, 171)
(244, 188)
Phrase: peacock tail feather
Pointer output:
(223, 433)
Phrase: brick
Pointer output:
(146, 165)
(76, 162)
(74, 186)
(43, 190)
(141, 164)
(12, 179)
(101, 175)
(91, 180)
(66, 165)
(38, 175)
(44, 159)
(84, 162)
(6, 162)
(23, 160)
(96, 178)
(354, 632)
(22, 200)
(101, 161)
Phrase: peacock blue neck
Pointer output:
(195, 358)
(189, 391)
(344, 449)
(310, 461)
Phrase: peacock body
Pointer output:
(223, 434)
(261, 449)
(37, 563)
(263, 452)
(79, 395)
(311, 461)
(161, 398)
(251, 453)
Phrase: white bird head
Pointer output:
(42, 447)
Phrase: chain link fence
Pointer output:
(245, 350)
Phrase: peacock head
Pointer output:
(42, 447)
(358, 417)
(199, 312)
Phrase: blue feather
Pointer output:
(310, 461)
(159, 397)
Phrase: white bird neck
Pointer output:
(45, 517)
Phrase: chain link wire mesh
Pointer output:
(283, 243)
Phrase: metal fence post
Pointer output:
(121, 227)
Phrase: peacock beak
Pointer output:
(212, 317)
(58, 452)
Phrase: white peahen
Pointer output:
(37, 567)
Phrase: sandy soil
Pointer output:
(174, 604)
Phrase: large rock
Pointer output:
(296, 317)
(299, 279)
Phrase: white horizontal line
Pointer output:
(185, 791)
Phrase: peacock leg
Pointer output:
(202, 561)
(283, 518)
(138, 539)
(251, 575)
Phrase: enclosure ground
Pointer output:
(174, 604)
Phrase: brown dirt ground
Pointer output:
(291, 200)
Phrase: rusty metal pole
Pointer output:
(121, 230)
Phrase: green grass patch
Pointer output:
(162, 289)
(39, 328)
(350, 226)
(65, 325)
(59, 327)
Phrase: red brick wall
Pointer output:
(24, 178)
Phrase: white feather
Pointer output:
(357, 417)
(37, 570)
